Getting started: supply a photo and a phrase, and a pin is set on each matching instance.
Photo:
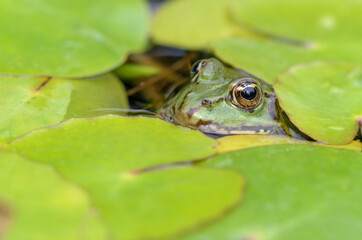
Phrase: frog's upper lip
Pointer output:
(215, 128)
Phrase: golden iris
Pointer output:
(246, 94)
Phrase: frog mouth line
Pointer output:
(215, 128)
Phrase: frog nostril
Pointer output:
(196, 68)
(206, 103)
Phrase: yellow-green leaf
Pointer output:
(30, 103)
(203, 21)
(69, 38)
(294, 192)
(237, 142)
(117, 160)
(323, 100)
(37, 204)
(292, 32)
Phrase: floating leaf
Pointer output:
(237, 142)
(107, 156)
(31, 103)
(95, 96)
(323, 100)
(122, 143)
(37, 204)
(130, 71)
(167, 202)
(68, 38)
(294, 192)
(204, 21)
(266, 59)
(293, 32)
(302, 20)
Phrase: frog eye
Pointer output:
(246, 94)
(196, 68)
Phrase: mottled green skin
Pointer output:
(218, 115)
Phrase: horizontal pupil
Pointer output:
(249, 93)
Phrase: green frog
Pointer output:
(221, 100)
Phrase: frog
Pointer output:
(221, 100)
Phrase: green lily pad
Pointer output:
(323, 100)
(267, 59)
(130, 71)
(37, 204)
(136, 140)
(294, 192)
(67, 38)
(301, 19)
(203, 21)
(115, 159)
(237, 142)
(96, 96)
(165, 203)
(30, 103)
(293, 32)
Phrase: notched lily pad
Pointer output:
(293, 32)
(67, 38)
(140, 143)
(267, 59)
(37, 204)
(294, 192)
(323, 100)
(115, 159)
(30, 103)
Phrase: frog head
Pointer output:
(223, 100)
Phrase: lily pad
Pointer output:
(267, 59)
(30, 103)
(115, 159)
(204, 22)
(140, 143)
(37, 204)
(314, 30)
(67, 38)
(96, 96)
(165, 203)
(302, 20)
(294, 192)
(323, 100)
(237, 142)
(130, 71)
